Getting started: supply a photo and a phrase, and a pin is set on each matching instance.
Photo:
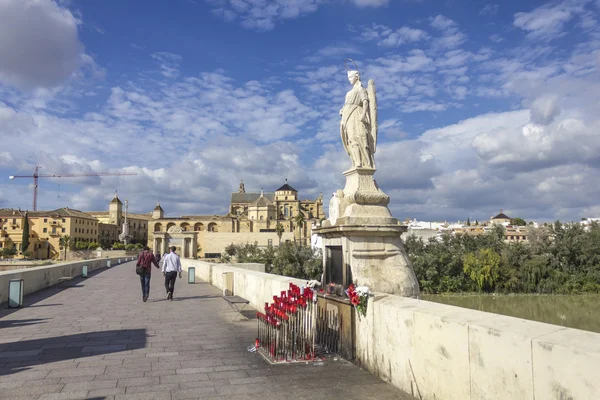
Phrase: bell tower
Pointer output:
(115, 211)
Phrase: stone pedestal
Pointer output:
(372, 253)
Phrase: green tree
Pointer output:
(518, 222)
(25, 237)
(483, 268)
(118, 246)
(299, 220)
(468, 221)
(279, 230)
(65, 243)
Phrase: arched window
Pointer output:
(199, 226)
(285, 210)
(261, 217)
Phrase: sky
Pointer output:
(483, 106)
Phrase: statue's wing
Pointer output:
(373, 112)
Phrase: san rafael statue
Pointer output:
(361, 239)
(358, 126)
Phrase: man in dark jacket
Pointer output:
(145, 260)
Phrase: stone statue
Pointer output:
(242, 189)
(334, 208)
(358, 126)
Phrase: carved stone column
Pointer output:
(369, 238)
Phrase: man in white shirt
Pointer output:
(171, 267)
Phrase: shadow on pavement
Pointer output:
(9, 323)
(195, 297)
(26, 354)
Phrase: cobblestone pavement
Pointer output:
(97, 340)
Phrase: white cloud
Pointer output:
(340, 51)
(39, 44)
(264, 15)
(548, 21)
(260, 14)
(168, 62)
(490, 9)
(370, 3)
(442, 23)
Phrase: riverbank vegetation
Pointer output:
(556, 260)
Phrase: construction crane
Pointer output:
(37, 175)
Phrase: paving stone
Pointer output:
(214, 383)
(228, 374)
(70, 372)
(183, 378)
(105, 393)
(151, 380)
(152, 388)
(193, 393)
(64, 396)
(107, 347)
(31, 391)
(242, 389)
(145, 396)
(74, 387)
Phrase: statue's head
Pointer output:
(353, 77)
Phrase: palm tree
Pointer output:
(299, 220)
(64, 243)
(279, 230)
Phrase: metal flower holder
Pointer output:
(287, 328)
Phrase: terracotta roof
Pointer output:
(61, 212)
(11, 212)
(129, 215)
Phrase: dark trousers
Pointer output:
(145, 280)
(170, 281)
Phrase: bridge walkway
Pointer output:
(97, 340)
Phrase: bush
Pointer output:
(9, 252)
(289, 259)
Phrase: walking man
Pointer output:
(171, 268)
(145, 261)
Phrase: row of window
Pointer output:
(46, 220)
(14, 220)
(45, 230)
(516, 237)
(81, 230)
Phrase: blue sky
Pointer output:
(483, 106)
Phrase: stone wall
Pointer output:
(436, 351)
(249, 280)
(38, 278)
(215, 242)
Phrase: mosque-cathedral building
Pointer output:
(252, 217)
